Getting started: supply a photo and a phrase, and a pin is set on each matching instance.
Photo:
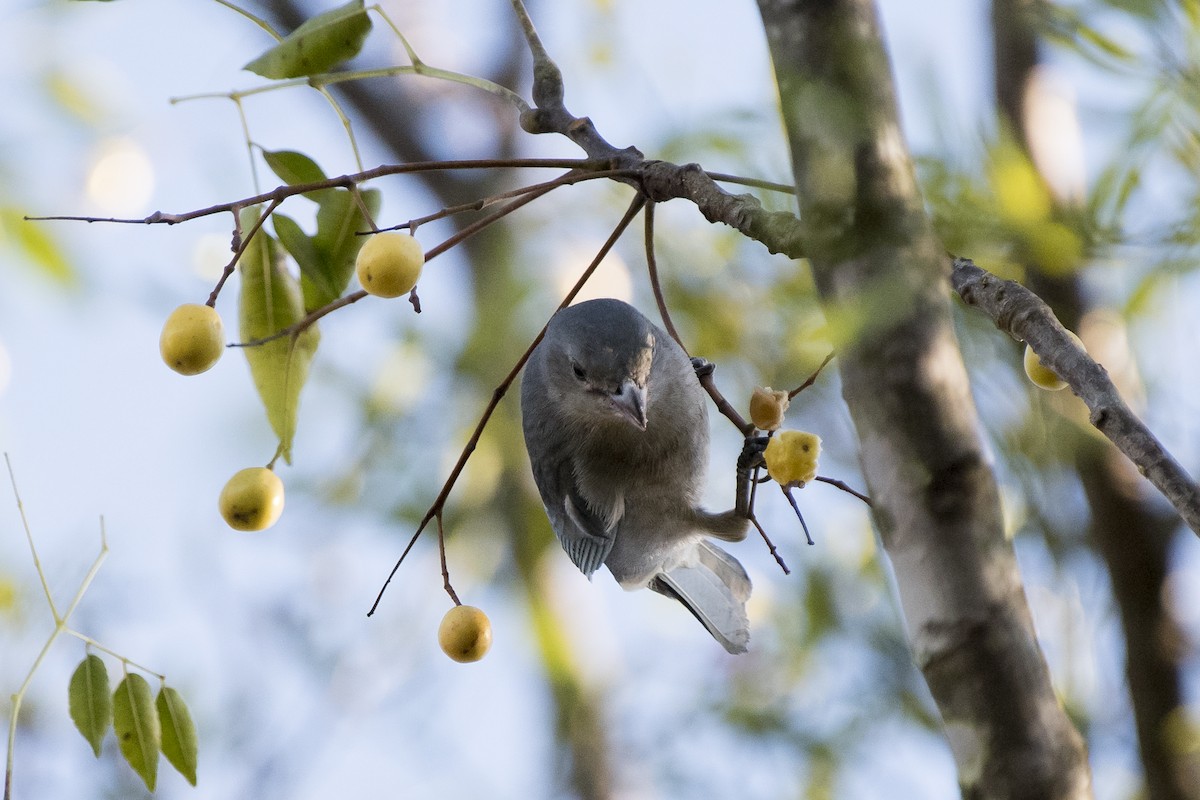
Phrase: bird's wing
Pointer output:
(715, 589)
(585, 535)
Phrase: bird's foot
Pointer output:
(702, 366)
(752, 453)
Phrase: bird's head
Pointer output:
(599, 360)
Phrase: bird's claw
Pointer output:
(752, 453)
(702, 366)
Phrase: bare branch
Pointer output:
(1024, 316)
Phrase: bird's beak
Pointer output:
(630, 403)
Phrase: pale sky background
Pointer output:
(296, 693)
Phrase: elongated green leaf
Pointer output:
(316, 46)
(293, 167)
(339, 220)
(136, 724)
(270, 301)
(178, 732)
(89, 702)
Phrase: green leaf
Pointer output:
(270, 301)
(316, 46)
(31, 240)
(339, 220)
(315, 284)
(293, 167)
(178, 732)
(136, 724)
(89, 702)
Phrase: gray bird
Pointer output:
(616, 426)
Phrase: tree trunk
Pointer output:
(882, 274)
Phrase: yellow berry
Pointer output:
(791, 457)
(252, 500)
(1040, 374)
(767, 407)
(192, 339)
(389, 264)
(465, 634)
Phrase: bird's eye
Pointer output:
(578, 370)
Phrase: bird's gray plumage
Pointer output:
(616, 426)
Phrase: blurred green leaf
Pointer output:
(31, 241)
(270, 301)
(89, 702)
(316, 46)
(293, 167)
(136, 724)
(178, 732)
(315, 284)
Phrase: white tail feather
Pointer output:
(715, 589)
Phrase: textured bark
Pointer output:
(935, 498)
(1131, 535)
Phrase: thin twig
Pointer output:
(281, 193)
(811, 378)
(761, 532)
(705, 376)
(844, 487)
(243, 241)
(498, 393)
(569, 179)
(309, 319)
(787, 492)
(442, 554)
(655, 284)
(754, 183)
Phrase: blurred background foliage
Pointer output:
(1078, 176)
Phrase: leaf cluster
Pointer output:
(145, 725)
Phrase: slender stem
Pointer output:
(262, 23)
(345, 120)
(16, 709)
(568, 179)
(844, 487)
(723, 177)
(90, 576)
(787, 492)
(332, 78)
(92, 643)
(37, 564)
(655, 284)
(245, 123)
(442, 554)
(811, 378)
(344, 181)
(771, 548)
(243, 243)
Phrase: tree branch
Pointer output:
(1024, 316)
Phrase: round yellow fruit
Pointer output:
(252, 500)
(192, 339)
(465, 634)
(1040, 374)
(791, 457)
(389, 264)
(766, 408)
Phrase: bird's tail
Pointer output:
(715, 589)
